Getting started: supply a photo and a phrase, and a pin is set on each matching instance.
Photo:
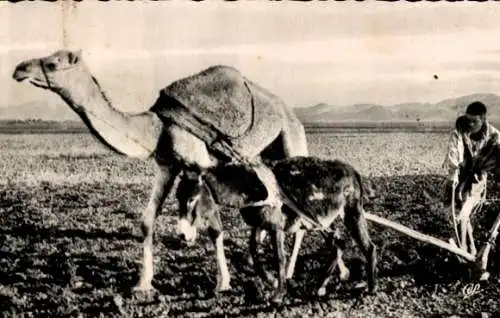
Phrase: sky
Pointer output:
(307, 53)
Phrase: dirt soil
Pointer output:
(73, 251)
(70, 243)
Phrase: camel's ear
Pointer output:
(75, 56)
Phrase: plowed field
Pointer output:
(70, 240)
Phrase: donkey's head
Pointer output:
(195, 204)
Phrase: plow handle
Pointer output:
(484, 252)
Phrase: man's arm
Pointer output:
(454, 156)
(494, 134)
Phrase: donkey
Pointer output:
(295, 194)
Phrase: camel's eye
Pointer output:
(51, 66)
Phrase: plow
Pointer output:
(468, 198)
(479, 260)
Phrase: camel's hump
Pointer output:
(217, 95)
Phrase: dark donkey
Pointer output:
(296, 194)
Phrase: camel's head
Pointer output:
(50, 72)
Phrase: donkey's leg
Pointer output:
(162, 186)
(355, 221)
(337, 253)
(257, 264)
(344, 271)
(299, 235)
(223, 277)
(335, 244)
(278, 239)
(339, 243)
(261, 235)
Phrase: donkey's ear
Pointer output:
(191, 175)
(192, 171)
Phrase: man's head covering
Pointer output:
(476, 109)
(463, 124)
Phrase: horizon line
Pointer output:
(317, 104)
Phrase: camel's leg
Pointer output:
(162, 186)
(189, 148)
(299, 235)
(294, 139)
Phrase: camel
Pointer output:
(216, 115)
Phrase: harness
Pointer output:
(217, 141)
(276, 196)
(42, 66)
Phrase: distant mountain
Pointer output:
(444, 111)
(38, 110)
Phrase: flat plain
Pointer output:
(71, 245)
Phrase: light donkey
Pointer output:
(292, 195)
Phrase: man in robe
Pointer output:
(472, 132)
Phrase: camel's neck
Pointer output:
(131, 135)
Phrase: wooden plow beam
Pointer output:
(420, 236)
(480, 260)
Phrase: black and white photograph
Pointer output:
(249, 159)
